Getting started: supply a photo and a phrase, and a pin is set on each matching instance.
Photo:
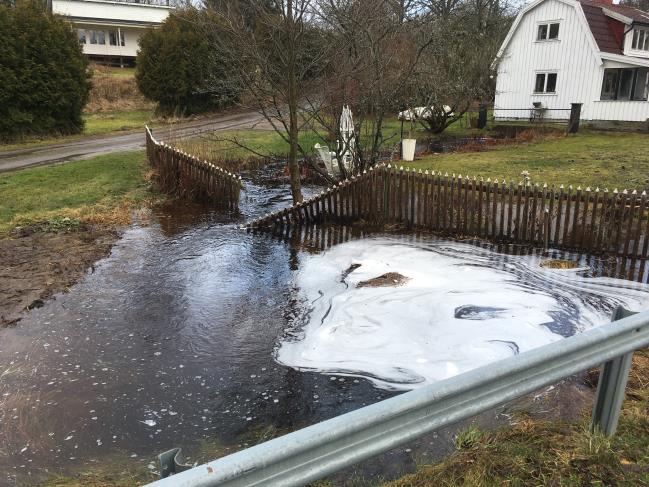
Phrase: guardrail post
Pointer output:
(172, 462)
(611, 387)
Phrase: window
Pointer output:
(609, 85)
(640, 39)
(81, 35)
(554, 31)
(545, 83)
(625, 84)
(116, 37)
(641, 89)
(548, 32)
(543, 32)
(97, 37)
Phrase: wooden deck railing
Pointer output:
(184, 175)
(594, 221)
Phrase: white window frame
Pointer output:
(635, 38)
(547, 24)
(545, 72)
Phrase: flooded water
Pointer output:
(171, 340)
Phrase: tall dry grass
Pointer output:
(111, 92)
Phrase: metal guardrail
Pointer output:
(319, 450)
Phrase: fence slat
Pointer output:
(595, 221)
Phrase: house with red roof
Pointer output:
(560, 52)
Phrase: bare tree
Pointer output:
(376, 47)
(274, 50)
(455, 70)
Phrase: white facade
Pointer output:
(569, 68)
(110, 29)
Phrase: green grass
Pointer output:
(223, 145)
(227, 144)
(115, 471)
(95, 190)
(590, 158)
(536, 452)
(113, 72)
(95, 124)
(103, 123)
(597, 159)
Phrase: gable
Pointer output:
(528, 11)
(603, 28)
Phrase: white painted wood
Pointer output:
(579, 68)
(628, 47)
(131, 18)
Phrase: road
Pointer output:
(87, 147)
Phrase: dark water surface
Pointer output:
(168, 342)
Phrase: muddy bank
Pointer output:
(35, 265)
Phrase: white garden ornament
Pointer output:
(345, 145)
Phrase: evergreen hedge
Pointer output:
(179, 65)
(44, 83)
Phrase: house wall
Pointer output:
(129, 49)
(579, 70)
(106, 10)
(133, 20)
(570, 56)
(632, 111)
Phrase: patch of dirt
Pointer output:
(35, 265)
(392, 279)
(558, 264)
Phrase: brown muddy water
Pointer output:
(171, 341)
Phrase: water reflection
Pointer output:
(168, 342)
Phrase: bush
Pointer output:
(179, 66)
(42, 73)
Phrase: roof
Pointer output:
(607, 22)
(636, 15)
(600, 26)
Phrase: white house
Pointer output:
(109, 30)
(560, 52)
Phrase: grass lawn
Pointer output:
(590, 158)
(103, 123)
(101, 189)
(114, 72)
(95, 124)
(222, 145)
(535, 452)
(605, 159)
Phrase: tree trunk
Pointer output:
(293, 167)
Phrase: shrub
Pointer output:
(179, 66)
(43, 78)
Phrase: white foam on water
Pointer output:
(462, 307)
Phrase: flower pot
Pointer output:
(408, 149)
